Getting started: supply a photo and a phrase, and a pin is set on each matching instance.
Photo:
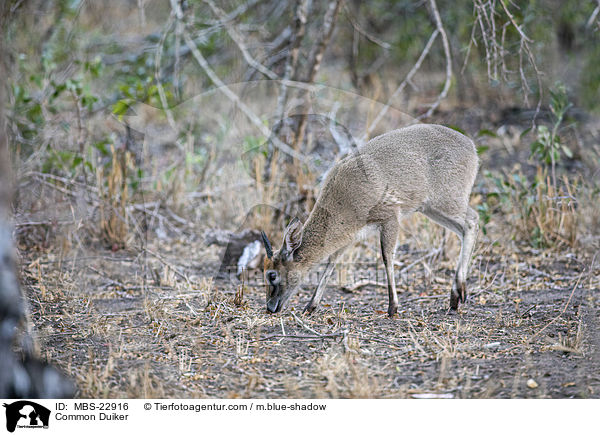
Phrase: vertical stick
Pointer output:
(289, 74)
(315, 58)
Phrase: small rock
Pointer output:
(532, 384)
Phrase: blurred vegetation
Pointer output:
(73, 62)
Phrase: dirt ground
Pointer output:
(529, 329)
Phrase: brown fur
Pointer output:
(268, 264)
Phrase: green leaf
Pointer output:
(101, 146)
(486, 132)
(37, 79)
(120, 108)
(76, 162)
(527, 130)
(481, 149)
(64, 156)
(88, 101)
(536, 147)
(456, 127)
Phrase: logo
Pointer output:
(26, 414)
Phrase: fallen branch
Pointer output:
(298, 337)
(363, 283)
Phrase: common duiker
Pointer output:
(422, 168)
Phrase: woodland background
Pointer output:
(138, 138)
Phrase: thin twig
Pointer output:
(157, 62)
(400, 87)
(298, 337)
(81, 132)
(316, 54)
(169, 265)
(254, 119)
(301, 323)
(239, 40)
(525, 40)
(363, 283)
(105, 276)
(288, 74)
(592, 18)
(564, 309)
(414, 263)
(240, 10)
(42, 223)
(314, 63)
(374, 39)
(446, 44)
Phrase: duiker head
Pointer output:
(282, 274)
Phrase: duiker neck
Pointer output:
(322, 235)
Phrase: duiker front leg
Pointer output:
(459, 288)
(318, 294)
(388, 238)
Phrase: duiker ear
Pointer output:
(292, 238)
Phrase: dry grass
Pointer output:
(114, 198)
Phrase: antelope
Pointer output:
(423, 168)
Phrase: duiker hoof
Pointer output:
(309, 309)
(454, 299)
(392, 309)
(458, 294)
(451, 311)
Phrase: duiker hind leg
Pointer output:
(459, 288)
(388, 238)
(318, 294)
(465, 225)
